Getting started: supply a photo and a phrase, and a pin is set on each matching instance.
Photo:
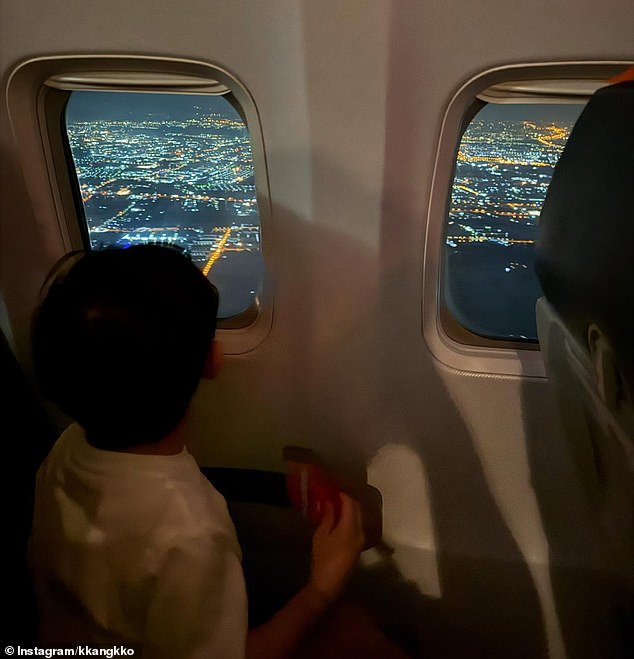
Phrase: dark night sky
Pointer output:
(95, 106)
(530, 112)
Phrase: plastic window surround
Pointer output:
(38, 129)
(449, 342)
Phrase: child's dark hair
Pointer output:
(120, 340)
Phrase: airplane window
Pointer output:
(503, 168)
(171, 168)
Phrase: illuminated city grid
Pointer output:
(171, 169)
(504, 166)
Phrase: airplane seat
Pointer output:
(586, 319)
(275, 540)
(28, 435)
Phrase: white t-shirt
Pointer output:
(130, 548)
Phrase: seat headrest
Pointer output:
(584, 254)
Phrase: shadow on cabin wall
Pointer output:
(489, 606)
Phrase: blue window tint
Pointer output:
(503, 168)
(171, 168)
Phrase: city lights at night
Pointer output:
(503, 169)
(171, 169)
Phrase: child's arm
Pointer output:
(336, 549)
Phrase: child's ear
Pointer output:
(213, 361)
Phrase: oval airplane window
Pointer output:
(501, 135)
(115, 144)
(503, 168)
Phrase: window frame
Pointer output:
(449, 341)
(50, 81)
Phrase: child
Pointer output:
(130, 543)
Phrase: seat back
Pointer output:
(585, 322)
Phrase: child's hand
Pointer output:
(336, 548)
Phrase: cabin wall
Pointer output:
(351, 96)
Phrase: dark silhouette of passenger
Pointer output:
(130, 543)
